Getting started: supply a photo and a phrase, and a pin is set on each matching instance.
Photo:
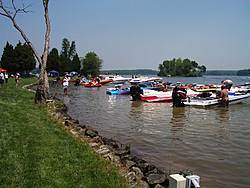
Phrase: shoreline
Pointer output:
(137, 171)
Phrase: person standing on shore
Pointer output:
(16, 79)
(1, 79)
(6, 77)
(65, 85)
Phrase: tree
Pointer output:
(67, 53)
(7, 59)
(42, 92)
(53, 62)
(92, 65)
(24, 59)
(76, 63)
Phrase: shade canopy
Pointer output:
(53, 71)
(3, 70)
(73, 72)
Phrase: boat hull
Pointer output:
(161, 96)
(211, 102)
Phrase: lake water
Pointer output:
(212, 142)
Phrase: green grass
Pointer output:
(37, 152)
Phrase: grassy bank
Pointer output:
(36, 151)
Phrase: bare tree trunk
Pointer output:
(42, 92)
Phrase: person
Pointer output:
(57, 78)
(6, 77)
(165, 85)
(98, 80)
(65, 85)
(160, 84)
(1, 79)
(224, 96)
(153, 84)
(16, 79)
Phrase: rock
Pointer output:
(122, 152)
(129, 164)
(91, 133)
(93, 145)
(156, 178)
(82, 126)
(139, 184)
(69, 122)
(130, 176)
(138, 172)
(158, 186)
(102, 151)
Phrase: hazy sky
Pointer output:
(141, 34)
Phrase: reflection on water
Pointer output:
(213, 142)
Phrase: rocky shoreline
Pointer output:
(137, 171)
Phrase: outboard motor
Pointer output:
(135, 92)
(178, 95)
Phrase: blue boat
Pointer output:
(117, 90)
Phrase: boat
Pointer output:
(148, 85)
(135, 81)
(162, 96)
(104, 81)
(116, 79)
(93, 85)
(117, 90)
(210, 99)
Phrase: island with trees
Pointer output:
(179, 67)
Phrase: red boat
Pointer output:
(93, 85)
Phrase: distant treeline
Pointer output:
(245, 72)
(132, 72)
(221, 72)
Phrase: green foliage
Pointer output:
(53, 61)
(179, 67)
(7, 59)
(19, 59)
(76, 63)
(67, 54)
(91, 64)
(245, 72)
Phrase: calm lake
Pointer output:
(213, 142)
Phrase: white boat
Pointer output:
(234, 98)
(119, 79)
(161, 96)
(116, 79)
(144, 79)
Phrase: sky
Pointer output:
(141, 34)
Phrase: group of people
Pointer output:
(160, 84)
(5, 76)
